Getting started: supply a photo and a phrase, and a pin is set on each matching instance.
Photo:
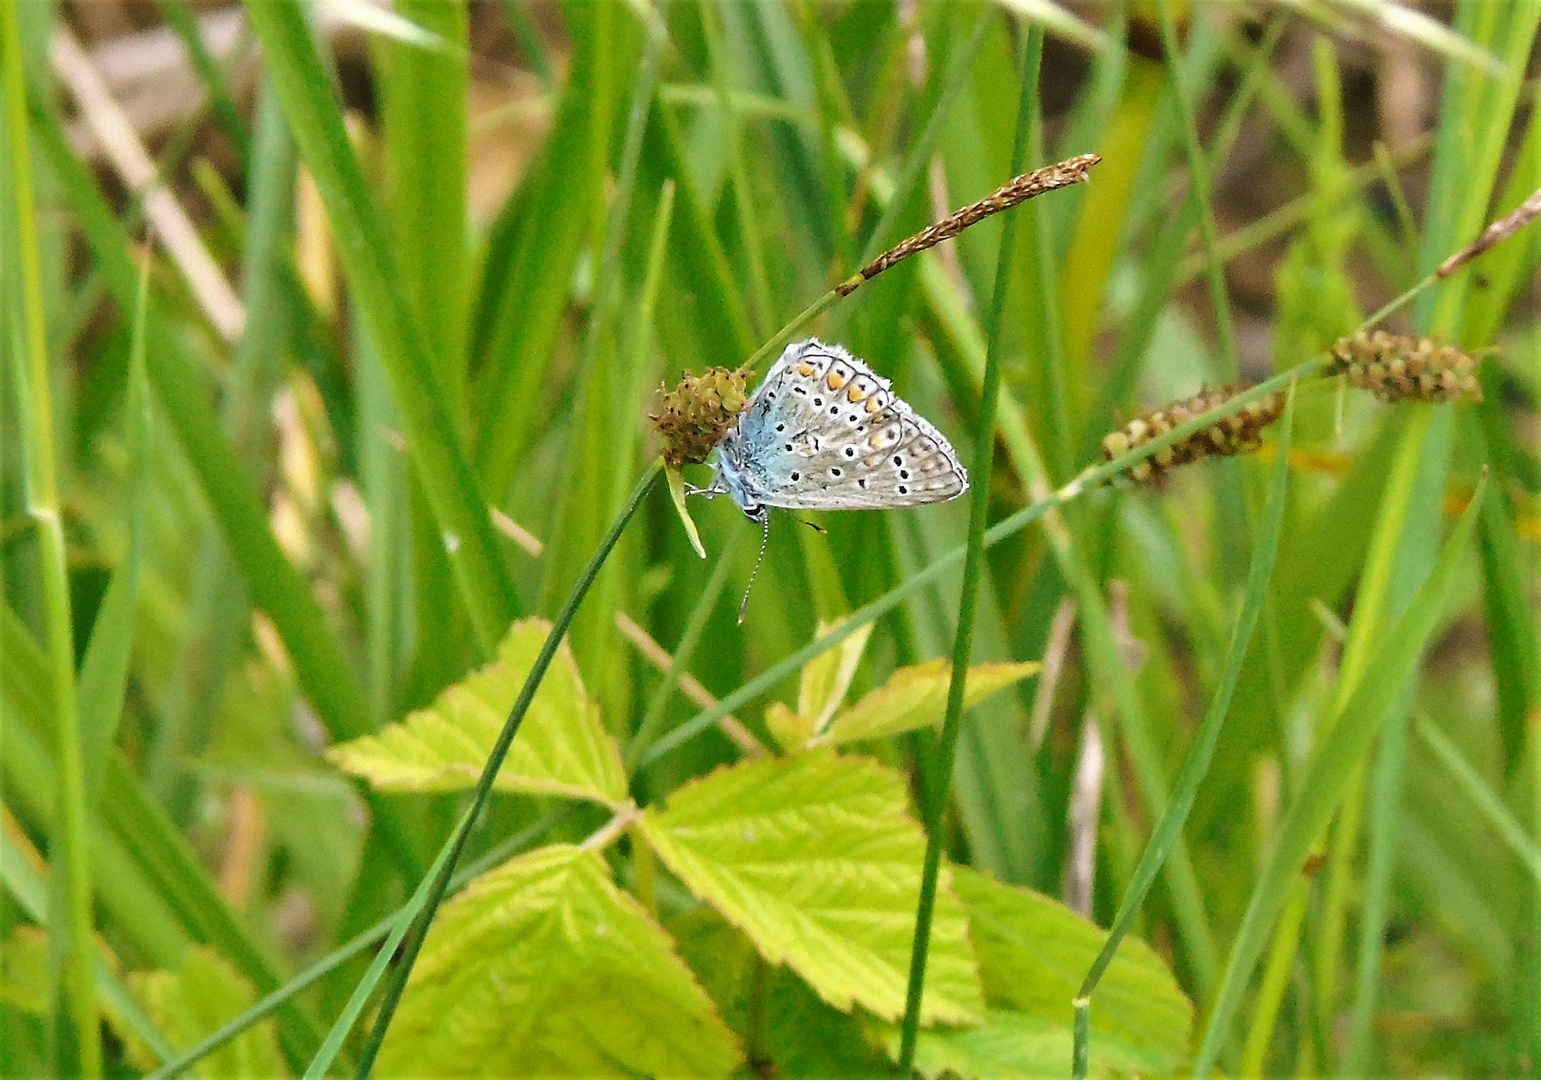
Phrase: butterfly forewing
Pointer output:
(824, 432)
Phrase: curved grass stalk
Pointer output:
(450, 855)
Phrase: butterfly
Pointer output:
(823, 431)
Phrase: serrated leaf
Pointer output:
(797, 1034)
(816, 858)
(827, 677)
(1014, 1046)
(1033, 953)
(916, 697)
(195, 1000)
(562, 749)
(543, 967)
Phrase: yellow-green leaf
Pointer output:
(543, 967)
(828, 676)
(677, 493)
(1034, 952)
(816, 858)
(790, 730)
(562, 749)
(1014, 1046)
(192, 1002)
(916, 697)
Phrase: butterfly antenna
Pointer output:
(743, 607)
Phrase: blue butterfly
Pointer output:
(825, 432)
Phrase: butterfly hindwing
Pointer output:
(824, 432)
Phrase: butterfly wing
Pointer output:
(824, 432)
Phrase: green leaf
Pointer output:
(563, 748)
(827, 677)
(817, 859)
(789, 1030)
(916, 697)
(677, 493)
(1033, 952)
(1013, 1046)
(194, 1000)
(544, 968)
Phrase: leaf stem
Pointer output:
(973, 571)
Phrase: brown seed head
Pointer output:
(1238, 433)
(1400, 367)
(692, 418)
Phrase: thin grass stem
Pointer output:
(1196, 764)
(973, 572)
(29, 354)
(456, 843)
(176, 1064)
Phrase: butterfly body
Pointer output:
(825, 432)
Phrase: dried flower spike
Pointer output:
(692, 418)
(1399, 367)
(1238, 433)
(1014, 191)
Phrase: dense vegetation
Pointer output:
(332, 337)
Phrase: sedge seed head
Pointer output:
(693, 417)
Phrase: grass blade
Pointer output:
(276, 586)
(70, 945)
(1196, 764)
(432, 438)
(936, 800)
(104, 671)
(1333, 766)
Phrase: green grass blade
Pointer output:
(1333, 766)
(1483, 797)
(276, 586)
(104, 671)
(935, 802)
(30, 891)
(432, 438)
(400, 923)
(1196, 764)
(70, 945)
(534, 252)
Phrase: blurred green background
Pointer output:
(392, 396)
